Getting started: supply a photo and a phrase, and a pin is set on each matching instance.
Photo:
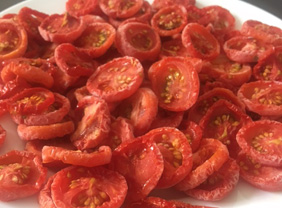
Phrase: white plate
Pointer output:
(244, 195)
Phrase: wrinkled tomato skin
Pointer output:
(158, 4)
(139, 40)
(167, 118)
(132, 156)
(262, 141)
(22, 174)
(44, 197)
(77, 8)
(152, 202)
(2, 136)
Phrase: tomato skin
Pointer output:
(210, 156)
(219, 184)
(139, 40)
(169, 20)
(173, 47)
(200, 42)
(175, 81)
(261, 176)
(262, 97)
(158, 4)
(22, 175)
(17, 34)
(177, 155)
(152, 202)
(77, 8)
(61, 28)
(108, 186)
(44, 197)
(134, 155)
(117, 79)
(2, 136)
(261, 140)
(167, 118)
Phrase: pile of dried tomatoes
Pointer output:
(119, 98)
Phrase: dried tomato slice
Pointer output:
(167, 118)
(158, 4)
(77, 8)
(2, 136)
(44, 197)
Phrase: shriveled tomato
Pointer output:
(210, 157)
(120, 8)
(117, 79)
(170, 20)
(174, 47)
(61, 28)
(2, 136)
(13, 39)
(141, 108)
(139, 40)
(135, 155)
(77, 8)
(21, 175)
(167, 118)
(262, 97)
(262, 141)
(73, 61)
(152, 202)
(175, 81)
(245, 49)
(45, 197)
(96, 39)
(94, 127)
(87, 159)
(177, 154)
(158, 4)
(262, 31)
(200, 42)
(219, 184)
(79, 187)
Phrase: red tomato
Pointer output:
(61, 28)
(2, 136)
(96, 39)
(13, 40)
(80, 187)
(194, 14)
(167, 118)
(170, 20)
(263, 32)
(177, 155)
(30, 100)
(87, 159)
(175, 81)
(73, 61)
(31, 19)
(94, 127)
(210, 157)
(262, 141)
(219, 184)
(200, 42)
(262, 97)
(174, 47)
(141, 109)
(117, 79)
(207, 99)
(77, 8)
(45, 197)
(133, 156)
(222, 121)
(152, 202)
(139, 40)
(22, 175)
(120, 8)
(158, 4)
(227, 71)
(243, 49)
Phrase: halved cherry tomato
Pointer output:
(170, 20)
(141, 108)
(262, 31)
(210, 157)
(262, 97)
(88, 187)
(139, 40)
(2, 136)
(262, 141)
(177, 154)
(94, 127)
(152, 202)
(120, 8)
(133, 156)
(73, 61)
(77, 8)
(158, 4)
(117, 79)
(61, 28)
(45, 197)
(167, 118)
(13, 39)
(21, 175)
(175, 81)
(200, 42)
(174, 47)
(30, 19)
(219, 184)
(11, 88)
(86, 159)
(96, 39)
(243, 49)
(30, 100)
